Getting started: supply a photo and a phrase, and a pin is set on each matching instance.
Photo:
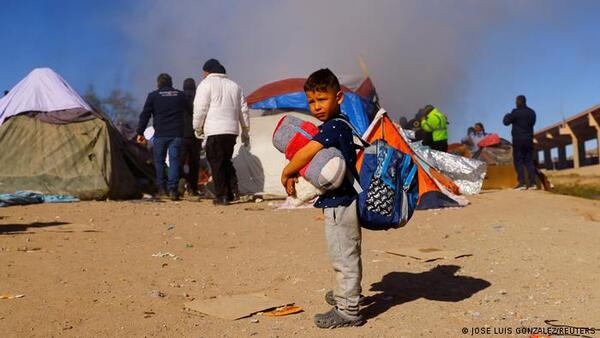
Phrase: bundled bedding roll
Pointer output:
(327, 169)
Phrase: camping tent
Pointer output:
(53, 142)
(436, 190)
(259, 167)
(358, 104)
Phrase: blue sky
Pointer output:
(547, 50)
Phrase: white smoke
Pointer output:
(417, 52)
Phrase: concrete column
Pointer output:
(596, 124)
(566, 130)
(548, 163)
(562, 157)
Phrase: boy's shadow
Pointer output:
(439, 283)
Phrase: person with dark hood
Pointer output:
(219, 110)
(191, 147)
(166, 106)
(522, 119)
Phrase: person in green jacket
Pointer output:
(435, 123)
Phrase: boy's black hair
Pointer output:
(164, 80)
(322, 80)
(480, 125)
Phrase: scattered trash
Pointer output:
(170, 226)
(165, 254)
(498, 226)
(258, 200)
(189, 245)
(428, 254)
(11, 296)
(157, 294)
(283, 311)
(148, 314)
(473, 313)
(235, 306)
(254, 209)
(254, 321)
(27, 249)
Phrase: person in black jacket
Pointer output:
(522, 119)
(167, 107)
(190, 150)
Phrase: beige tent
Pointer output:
(259, 168)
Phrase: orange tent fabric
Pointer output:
(384, 128)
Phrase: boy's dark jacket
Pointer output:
(338, 134)
(167, 107)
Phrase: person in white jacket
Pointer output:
(219, 110)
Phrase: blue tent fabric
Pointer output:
(357, 109)
(30, 197)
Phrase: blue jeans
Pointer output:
(162, 144)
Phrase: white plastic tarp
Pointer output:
(42, 90)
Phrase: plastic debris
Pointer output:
(283, 311)
(165, 254)
(11, 296)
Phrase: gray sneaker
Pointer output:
(330, 299)
(520, 187)
(334, 318)
(532, 187)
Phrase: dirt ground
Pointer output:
(86, 269)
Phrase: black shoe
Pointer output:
(162, 193)
(334, 318)
(174, 195)
(330, 299)
(221, 201)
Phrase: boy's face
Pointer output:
(324, 105)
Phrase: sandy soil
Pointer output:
(86, 269)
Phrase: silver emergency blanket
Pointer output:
(467, 173)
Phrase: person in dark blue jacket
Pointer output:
(522, 119)
(167, 107)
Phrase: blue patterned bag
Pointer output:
(390, 189)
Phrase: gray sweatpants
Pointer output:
(342, 232)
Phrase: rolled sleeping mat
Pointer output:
(326, 171)
(291, 134)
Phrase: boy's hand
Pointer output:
(285, 178)
(290, 187)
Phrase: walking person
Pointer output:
(166, 106)
(219, 110)
(522, 119)
(191, 147)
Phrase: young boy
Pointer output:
(342, 230)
